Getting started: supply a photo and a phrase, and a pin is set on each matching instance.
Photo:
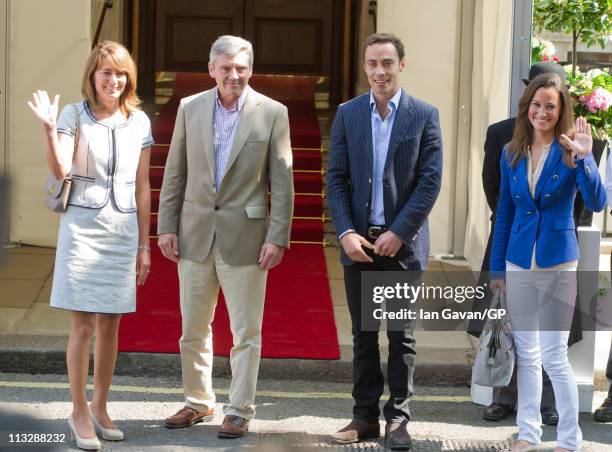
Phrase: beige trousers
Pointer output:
(244, 289)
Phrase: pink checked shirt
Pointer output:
(225, 124)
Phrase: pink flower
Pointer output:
(598, 100)
(555, 59)
(544, 58)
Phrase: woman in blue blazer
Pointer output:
(535, 251)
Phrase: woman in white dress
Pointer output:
(103, 243)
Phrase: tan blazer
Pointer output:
(236, 214)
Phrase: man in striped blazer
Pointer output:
(384, 176)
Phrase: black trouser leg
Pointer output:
(548, 395)
(400, 371)
(507, 395)
(609, 365)
(609, 371)
(368, 382)
(402, 356)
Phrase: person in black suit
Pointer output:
(604, 412)
(498, 134)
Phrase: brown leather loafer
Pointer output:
(357, 430)
(187, 416)
(233, 427)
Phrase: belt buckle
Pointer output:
(374, 231)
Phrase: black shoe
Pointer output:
(604, 412)
(497, 412)
(396, 436)
(549, 416)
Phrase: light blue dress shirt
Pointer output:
(381, 133)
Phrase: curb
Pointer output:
(139, 364)
(47, 355)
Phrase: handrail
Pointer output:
(107, 5)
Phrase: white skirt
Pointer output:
(95, 262)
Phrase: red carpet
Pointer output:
(294, 91)
(298, 316)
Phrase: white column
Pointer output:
(582, 354)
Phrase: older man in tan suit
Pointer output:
(228, 145)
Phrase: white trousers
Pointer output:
(541, 305)
(244, 289)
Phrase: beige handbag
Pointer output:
(57, 191)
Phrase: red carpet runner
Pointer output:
(298, 317)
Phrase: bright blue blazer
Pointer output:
(547, 219)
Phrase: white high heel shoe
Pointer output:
(83, 443)
(109, 434)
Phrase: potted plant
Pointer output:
(592, 94)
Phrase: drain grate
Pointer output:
(304, 442)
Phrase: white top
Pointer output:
(106, 158)
(533, 175)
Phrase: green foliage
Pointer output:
(590, 21)
(542, 50)
(536, 50)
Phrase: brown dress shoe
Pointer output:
(357, 430)
(233, 427)
(397, 436)
(187, 416)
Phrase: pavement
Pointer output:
(299, 402)
(291, 415)
(33, 335)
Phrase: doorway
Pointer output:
(292, 37)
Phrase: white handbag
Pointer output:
(495, 356)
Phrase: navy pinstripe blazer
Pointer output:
(411, 179)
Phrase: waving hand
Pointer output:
(44, 109)
(582, 144)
